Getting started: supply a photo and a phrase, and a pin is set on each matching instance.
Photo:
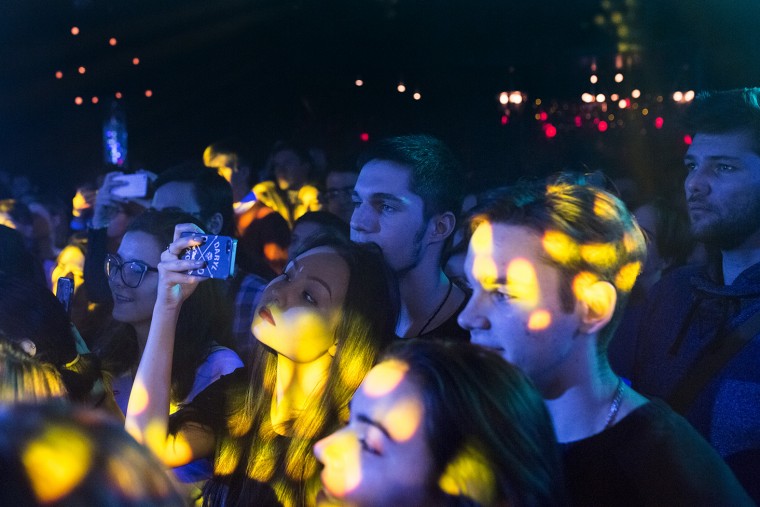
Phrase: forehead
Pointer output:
(325, 263)
(502, 243)
(389, 397)
(340, 179)
(508, 253)
(176, 194)
(729, 144)
(384, 176)
(140, 246)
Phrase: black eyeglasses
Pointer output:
(132, 272)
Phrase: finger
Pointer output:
(181, 244)
(180, 228)
(179, 265)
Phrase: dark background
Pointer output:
(269, 69)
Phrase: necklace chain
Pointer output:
(437, 310)
(615, 406)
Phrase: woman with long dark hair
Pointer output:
(319, 326)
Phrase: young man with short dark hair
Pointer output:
(551, 267)
(406, 201)
(698, 345)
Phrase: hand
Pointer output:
(107, 204)
(174, 284)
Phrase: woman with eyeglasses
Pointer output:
(201, 354)
(203, 327)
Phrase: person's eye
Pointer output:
(309, 298)
(690, 166)
(356, 203)
(368, 448)
(385, 208)
(724, 168)
(502, 296)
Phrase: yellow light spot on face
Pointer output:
(482, 240)
(384, 378)
(599, 254)
(469, 475)
(522, 282)
(560, 247)
(341, 454)
(56, 462)
(626, 277)
(403, 420)
(539, 320)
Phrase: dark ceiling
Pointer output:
(264, 69)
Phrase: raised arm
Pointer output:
(148, 409)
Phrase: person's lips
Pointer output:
(118, 298)
(265, 314)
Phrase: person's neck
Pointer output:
(580, 398)
(421, 290)
(738, 259)
(295, 384)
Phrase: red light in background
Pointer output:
(118, 95)
(578, 121)
(74, 30)
(602, 126)
(135, 61)
(78, 101)
(82, 70)
(112, 41)
(148, 93)
(550, 130)
(364, 137)
(95, 100)
(658, 122)
(58, 74)
(544, 116)
(596, 121)
(504, 119)
(687, 139)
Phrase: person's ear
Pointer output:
(597, 303)
(443, 226)
(215, 223)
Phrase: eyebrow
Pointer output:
(313, 278)
(366, 420)
(714, 157)
(385, 196)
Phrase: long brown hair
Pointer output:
(254, 464)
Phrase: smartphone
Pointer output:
(218, 252)
(136, 185)
(63, 291)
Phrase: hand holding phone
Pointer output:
(217, 251)
(130, 185)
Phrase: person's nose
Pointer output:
(363, 219)
(472, 317)
(697, 182)
(333, 448)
